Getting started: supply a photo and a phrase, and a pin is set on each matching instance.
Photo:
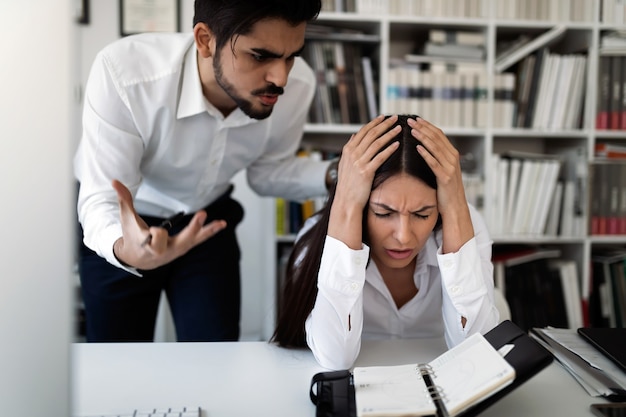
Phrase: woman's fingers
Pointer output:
(440, 153)
(366, 144)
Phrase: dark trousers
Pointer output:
(203, 289)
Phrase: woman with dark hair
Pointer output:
(397, 252)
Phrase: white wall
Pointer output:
(35, 210)
(257, 276)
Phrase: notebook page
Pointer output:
(391, 391)
(470, 372)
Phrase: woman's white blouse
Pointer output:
(353, 301)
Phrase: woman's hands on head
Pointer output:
(361, 156)
(444, 159)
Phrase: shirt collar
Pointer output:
(191, 99)
(192, 102)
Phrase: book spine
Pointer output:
(595, 178)
(368, 79)
(467, 99)
(603, 94)
(480, 96)
(614, 192)
(616, 85)
(622, 199)
(623, 92)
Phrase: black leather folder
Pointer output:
(528, 357)
(611, 342)
(333, 392)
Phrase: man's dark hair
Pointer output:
(229, 18)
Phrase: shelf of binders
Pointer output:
(516, 85)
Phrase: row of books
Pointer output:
(545, 289)
(550, 90)
(553, 10)
(291, 215)
(611, 92)
(608, 293)
(541, 288)
(520, 206)
(538, 195)
(448, 99)
(420, 8)
(607, 211)
(543, 91)
(345, 83)
(613, 12)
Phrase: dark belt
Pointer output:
(222, 208)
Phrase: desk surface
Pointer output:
(260, 379)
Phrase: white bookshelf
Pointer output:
(399, 35)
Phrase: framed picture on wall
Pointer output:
(138, 16)
(81, 11)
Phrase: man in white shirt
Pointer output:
(168, 120)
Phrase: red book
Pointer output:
(584, 304)
(609, 150)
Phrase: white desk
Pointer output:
(258, 379)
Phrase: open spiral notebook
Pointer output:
(448, 385)
(463, 381)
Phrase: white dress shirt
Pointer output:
(354, 302)
(147, 124)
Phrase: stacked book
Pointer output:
(445, 81)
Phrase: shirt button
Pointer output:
(455, 289)
(448, 264)
(357, 261)
(354, 286)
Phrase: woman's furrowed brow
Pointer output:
(389, 208)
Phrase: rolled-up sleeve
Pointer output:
(335, 324)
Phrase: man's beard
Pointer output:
(246, 106)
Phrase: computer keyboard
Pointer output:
(158, 412)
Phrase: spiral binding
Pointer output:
(435, 391)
